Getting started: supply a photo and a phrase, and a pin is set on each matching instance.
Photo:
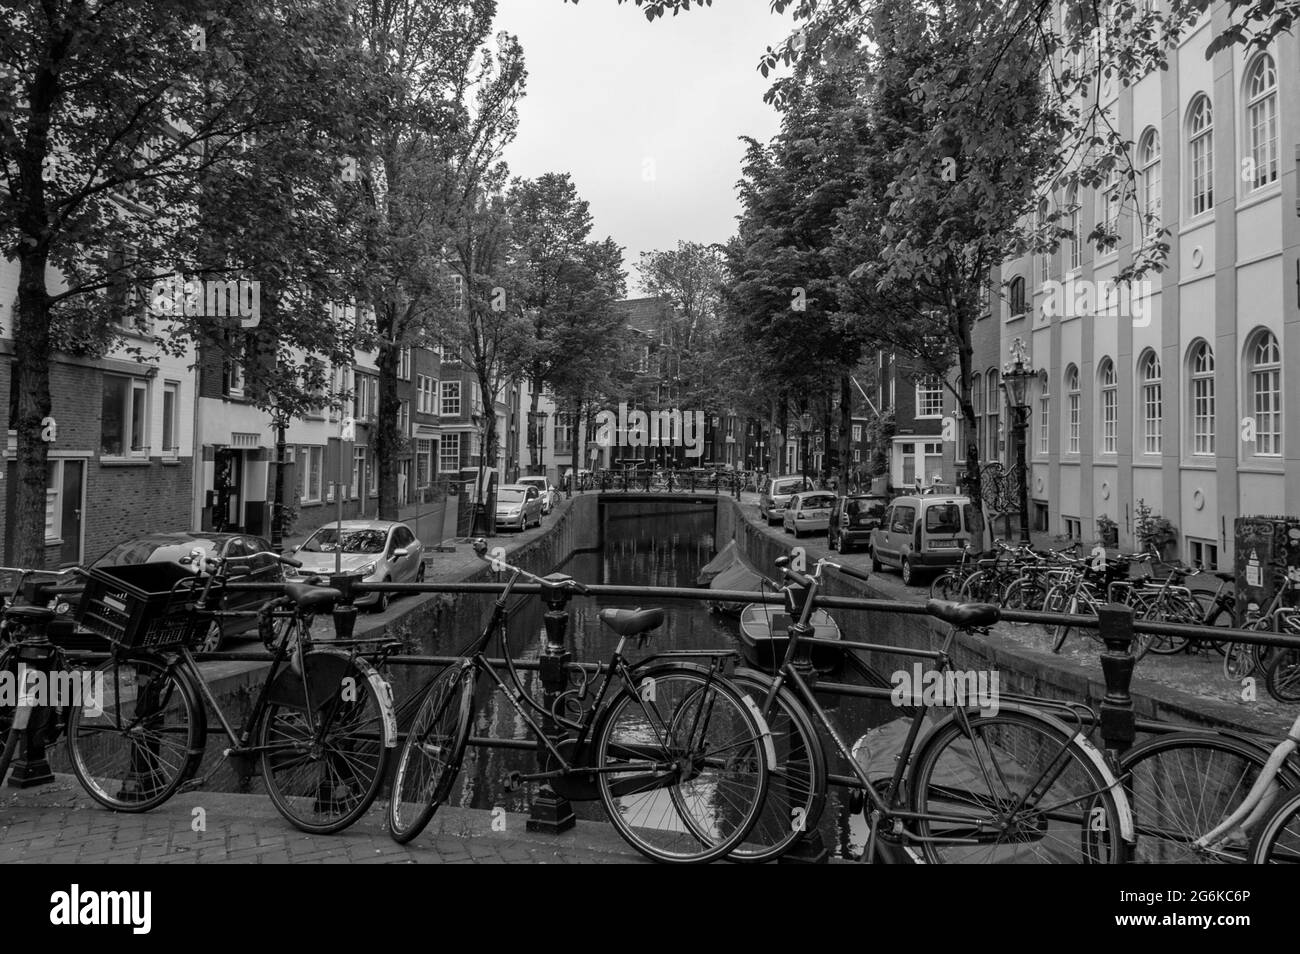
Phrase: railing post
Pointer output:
(1118, 720)
(30, 766)
(345, 613)
(550, 811)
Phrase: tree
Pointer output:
(114, 119)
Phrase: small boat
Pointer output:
(764, 635)
(729, 570)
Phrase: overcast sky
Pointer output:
(644, 115)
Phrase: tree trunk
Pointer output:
(974, 485)
(489, 452)
(388, 442)
(846, 424)
(534, 439)
(32, 356)
(578, 448)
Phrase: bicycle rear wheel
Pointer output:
(1239, 661)
(431, 757)
(1277, 842)
(323, 752)
(796, 793)
(1020, 789)
(145, 740)
(945, 586)
(1283, 676)
(1024, 593)
(681, 764)
(981, 587)
(1181, 786)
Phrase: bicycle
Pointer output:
(320, 728)
(32, 659)
(1242, 659)
(978, 787)
(1282, 672)
(1086, 590)
(677, 756)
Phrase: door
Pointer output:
(74, 473)
(406, 566)
(227, 507)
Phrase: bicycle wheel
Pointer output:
(1239, 661)
(681, 765)
(322, 746)
(796, 793)
(1181, 786)
(431, 757)
(1024, 593)
(945, 586)
(144, 739)
(1283, 676)
(1065, 602)
(1019, 788)
(1277, 842)
(981, 587)
(1168, 610)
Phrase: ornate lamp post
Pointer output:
(805, 427)
(536, 440)
(1015, 382)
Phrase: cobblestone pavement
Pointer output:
(58, 823)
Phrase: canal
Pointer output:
(663, 544)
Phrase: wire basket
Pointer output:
(140, 606)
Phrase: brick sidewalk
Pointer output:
(59, 824)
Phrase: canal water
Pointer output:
(664, 545)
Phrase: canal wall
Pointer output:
(1021, 670)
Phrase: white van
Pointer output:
(921, 533)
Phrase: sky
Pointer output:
(645, 116)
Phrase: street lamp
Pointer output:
(536, 438)
(1015, 382)
(805, 426)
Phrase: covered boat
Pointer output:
(764, 635)
(729, 570)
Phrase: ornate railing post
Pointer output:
(1118, 719)
(550, 811)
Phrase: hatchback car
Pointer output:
(808, 512)
(920, 533)
(380, 551)
(776, 493)
(853, 518)
(544, 488)
(518, 506)
(245, 553)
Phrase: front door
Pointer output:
(227, 509)
(74, 474)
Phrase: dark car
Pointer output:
(245, 553)
(853, 518)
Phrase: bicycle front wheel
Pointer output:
(1182, 786)
(1283, 676)
(142, 739)
(1024, 593)
(431, 757)
(1016, 789)
(1278, 840)
(682, 765)
(322, 744)
(945, 586)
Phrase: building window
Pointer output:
(977, 405)
(1149, 176)
(450, 398)
(993, 408)
(1072, 226)
(358, 470)
(1109, 384)
(404, 419)
(1265, 399)
(1203, 553)
(457, 292)
(857, 432)
(171, 419)
(1200, 150)
(929, 396)
(1016, 296)
(404, 364)
(1261, 121)
(449, 453)
(1072, 408)
(313, 466)
(425, 387)
(1153, 407)
(1110, 202)
(365, 399)
(1202, 394)
(423, 462)
(1044, 405)
(124, 427)
(1073, 528)
(1044, 258)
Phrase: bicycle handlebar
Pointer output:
(498, 564)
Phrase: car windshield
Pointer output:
(945, 518)
(326, 540)
(818, 501)
(786, 486)
(152, 551)
(510, 496)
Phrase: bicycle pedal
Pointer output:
(514, 781)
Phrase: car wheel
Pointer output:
(875, 563)
(419, 573)
(381, 604)
(523, 523)
(213, 638)
(909, 576)
(830, 541)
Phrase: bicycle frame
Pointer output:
(1256, 803)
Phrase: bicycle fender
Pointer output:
(325, 669)
(384, 694)
(1126, 830)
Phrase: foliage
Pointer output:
(1153, 530)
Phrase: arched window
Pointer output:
(1016, 296)
(1108, 384)
(1200, 154)
(993, 407)
(1044, 259)
(1044, 406)
(1110, 201)
(1261, 121)
(977, 405)
(1201, 366)
(1153, 405)
(1264, 398)
(1072, 408)
(1072, 226)
(1149, 179)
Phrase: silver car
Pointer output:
(808, 512)
(380, 551)
(544, 488)
(518, 506)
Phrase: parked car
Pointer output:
(776, 493)
(808, 512)
(920, 533)
(853, 518)
(243, 551)
(381, 551)
(548, 494)
(518, 506)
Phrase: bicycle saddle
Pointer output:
(963, 614)
(30, 614)
(317, 598)
(628, 622)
